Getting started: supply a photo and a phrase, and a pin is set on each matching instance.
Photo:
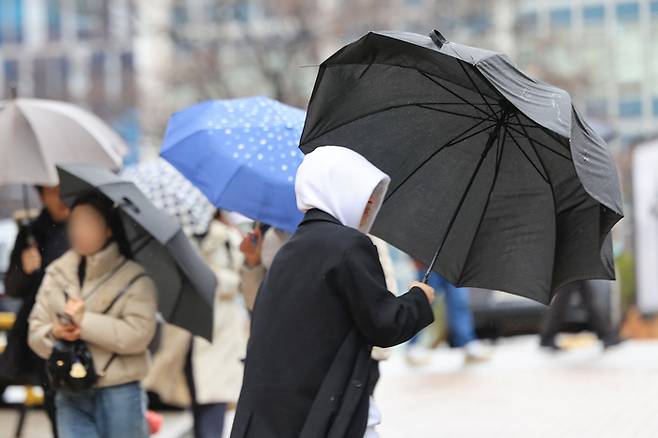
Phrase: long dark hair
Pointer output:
(105, 207)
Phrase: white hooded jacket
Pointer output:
(340, 182)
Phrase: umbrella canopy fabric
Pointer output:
(172, 193)
(242, 154)
(36, 135)
(186, 285)
(496, 180)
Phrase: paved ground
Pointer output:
(525, 393)
(520, 393)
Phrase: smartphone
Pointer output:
(64, 319)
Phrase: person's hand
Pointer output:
(31, 260)
(66, 332)
(429, 290)
(75, 308)
(251, 247)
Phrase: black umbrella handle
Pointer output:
(426, 277)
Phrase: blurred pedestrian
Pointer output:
(321, 307)
(259, 248)
(460, 323)
(37, 244)
(94, 300)
(590, 292)
(214, 369)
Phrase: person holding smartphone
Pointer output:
(96, 293)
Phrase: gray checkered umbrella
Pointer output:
(172, 193)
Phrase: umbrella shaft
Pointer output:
(493, 136)
(26, 218)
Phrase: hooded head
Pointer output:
(343, 183)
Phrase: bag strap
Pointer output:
(98, 285)
(109, 306)
(105, 279)
(123, 291)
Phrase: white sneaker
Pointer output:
(417, 355)
(476, 352)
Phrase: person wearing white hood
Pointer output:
(322, 307)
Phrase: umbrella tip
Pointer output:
(438, 38)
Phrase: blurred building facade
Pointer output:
(229, 48)
(604, 51)
(74, 50)
(135, 61)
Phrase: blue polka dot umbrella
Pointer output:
(242, 154)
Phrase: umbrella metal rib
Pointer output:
(493, 136)
(452, 142)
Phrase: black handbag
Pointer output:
(71, 364)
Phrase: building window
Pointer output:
(526, 21)
(630, 108)
(179, 15)
(128, 77)
(628, 12)
(597, 107)
(654, 9)
(92, 19)
(478, 23)
(50, 78)
(561, 17)
(655, 106)
(96, 95)
(593, 15)
(11, 21)
(241, 12)
(10, 69)
(54, 20)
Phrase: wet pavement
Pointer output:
(522, 392)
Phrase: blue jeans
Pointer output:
(112, 412)
(460, 318)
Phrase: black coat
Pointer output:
(321, 308)
(18, 362)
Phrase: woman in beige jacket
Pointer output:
(210, 376)
(72, 303)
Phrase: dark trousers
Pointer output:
(208, 418)
(49, 401)
(589, 291)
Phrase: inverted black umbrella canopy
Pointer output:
(186, 285)
(496, 180)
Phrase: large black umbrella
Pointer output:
(186, 285)
(497, 182)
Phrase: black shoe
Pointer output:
(550, 344)
(612, 341)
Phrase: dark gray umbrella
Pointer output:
(496, 180)
(186, 285)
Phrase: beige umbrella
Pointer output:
(36, 135)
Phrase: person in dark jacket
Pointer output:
(321, 308)
(37, 245)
